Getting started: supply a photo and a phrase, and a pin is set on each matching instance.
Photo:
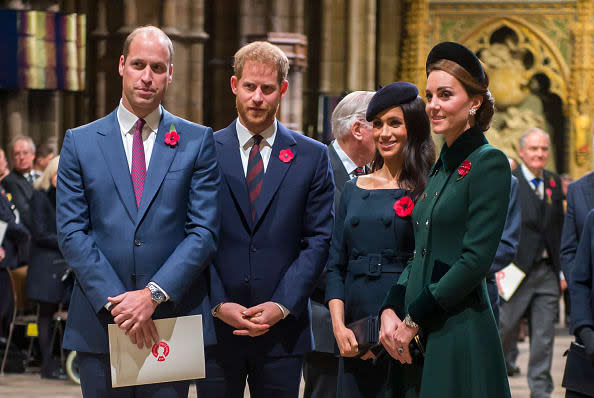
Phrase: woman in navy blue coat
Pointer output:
(46, 265)
(373, 236)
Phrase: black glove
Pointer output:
(586, 334)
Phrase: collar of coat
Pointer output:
(452, 157)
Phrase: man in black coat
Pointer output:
(19, 183)
(349, 154)
(541, 201)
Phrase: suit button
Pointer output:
(137, 242)
(424, 252)
(246, 279)
(253, 248)
(427, 223)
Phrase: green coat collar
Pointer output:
(451, 157)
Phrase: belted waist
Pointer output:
(375, 264)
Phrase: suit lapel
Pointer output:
(532, 211)
(112, 147)
(341, 175)
(276, 170)
(161, 159)
(230, 164)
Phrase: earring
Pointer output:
(472, 111)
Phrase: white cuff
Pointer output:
(284, 310)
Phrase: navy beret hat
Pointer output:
(459, 54)
(394, 94)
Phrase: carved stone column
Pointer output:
(333, 47)
(100, 35)
(361, 45)
(581, 105)
(414, 50)
(389, 31)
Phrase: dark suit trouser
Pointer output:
(362, 379)
(267, 377)
(320, 372)
(538, 296)
(95, 377)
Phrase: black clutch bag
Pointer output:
(366, 332)
(579, 371)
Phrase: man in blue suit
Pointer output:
(138, 218)
(277, 193)
(580, 200)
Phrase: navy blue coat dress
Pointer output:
(370, 248)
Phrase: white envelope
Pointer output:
(3, 227)
(508, 280)
(178, 356)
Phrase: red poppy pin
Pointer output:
(552, 183)
(549, 193)
(286, 155)
(463, 169)
(404, 207)
(171, 138)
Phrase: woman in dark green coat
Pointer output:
(457, 223)
(373, 236)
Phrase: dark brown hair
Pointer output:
(418, 152)
(485, 112)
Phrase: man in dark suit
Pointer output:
(541, 201)
(138, 218)
(277, 196)
(350, 152)
(580, 200)
(19, 183)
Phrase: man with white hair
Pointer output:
(541, 202)
(350, 152)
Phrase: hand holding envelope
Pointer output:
(179, 355)
(132, 312)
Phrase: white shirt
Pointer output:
(127, 121)
(529, 177)
(348, 164)
(246, 142)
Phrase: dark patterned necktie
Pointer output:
(138, 169)
(359, 171)
(255, 174)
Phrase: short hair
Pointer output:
(530, 131)
(44, 182)
(262, 52)
(349, 109)
(18, 138)
(148, 29)
(44, 150)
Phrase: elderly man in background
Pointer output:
(350, 152)
(541, 201)
(19, 183)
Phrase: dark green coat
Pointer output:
(457, 223)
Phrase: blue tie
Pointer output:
(536, 182)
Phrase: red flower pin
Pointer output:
(404, 206)
(549, 192)
(171, 138)
(286, 155)
(463, 169)
(552, 183)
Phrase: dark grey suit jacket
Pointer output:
(22, 192)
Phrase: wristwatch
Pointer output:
(410, 323)
(157, 294)
(216, 309)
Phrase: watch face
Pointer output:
(158, 295)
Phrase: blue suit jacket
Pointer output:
(510, 239)
(580, 200)
(280, 256)
(114, 247)
(581, 289)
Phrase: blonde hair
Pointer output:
(261, 52)
(45, 181)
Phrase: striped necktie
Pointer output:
(255, 173)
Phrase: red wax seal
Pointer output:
(160, 355)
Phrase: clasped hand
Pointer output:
(395, 336)
(132, 312)
(253, 321)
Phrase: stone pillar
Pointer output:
(100, 35)
(389, 28)
(414, 50)
(361, 45)
(581, 105)
(333, 47)
(197, 38)
(16, 109)
(130, 13)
